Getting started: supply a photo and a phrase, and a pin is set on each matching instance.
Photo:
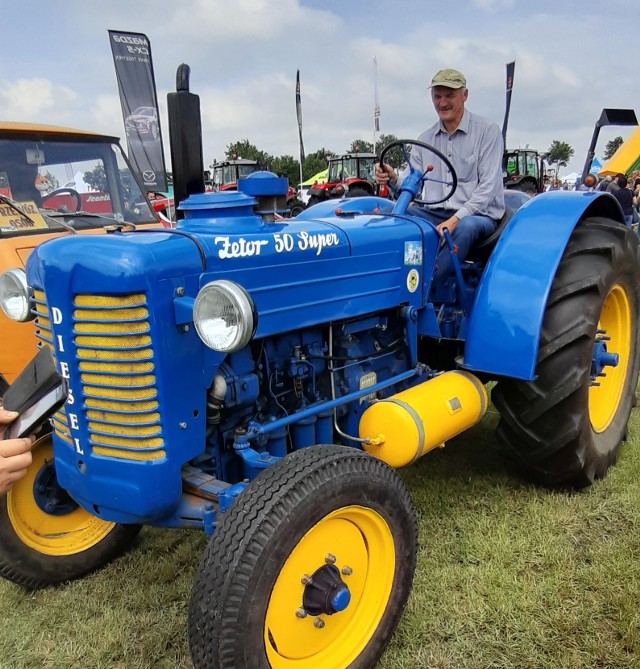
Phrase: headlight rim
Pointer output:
(241, 300)
(19, 277)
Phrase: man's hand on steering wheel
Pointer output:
(418, 175)
(385, 174)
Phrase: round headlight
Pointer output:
(224, 316)
(15, 295)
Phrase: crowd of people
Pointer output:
(625, 189)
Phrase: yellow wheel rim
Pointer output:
(615, 321)
(362, 543)
(60, 535)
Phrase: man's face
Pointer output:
(449, 102)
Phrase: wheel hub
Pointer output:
(601, 357)
(49, 496)
(325, 592)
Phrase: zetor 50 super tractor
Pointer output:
(261, 380)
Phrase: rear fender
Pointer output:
(509, 306)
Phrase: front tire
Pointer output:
(45, 537)
(325, 512)
(565, 428)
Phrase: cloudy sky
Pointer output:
(572, 60)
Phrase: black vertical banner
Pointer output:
(138, 99)
(299, 115)
(511, 68)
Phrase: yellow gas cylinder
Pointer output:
(403, 427)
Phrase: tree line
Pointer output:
(558, 154)
(289, 167)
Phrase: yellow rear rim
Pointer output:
(55, 535)
(362, 544)
(615, 322)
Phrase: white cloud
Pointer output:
(244, 56)
(35, 100)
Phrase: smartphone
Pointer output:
(33, 418)
(37, 393)
(34, 382)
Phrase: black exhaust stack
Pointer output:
(185, 139)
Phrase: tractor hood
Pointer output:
(339, 259)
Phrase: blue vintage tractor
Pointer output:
(260, 380)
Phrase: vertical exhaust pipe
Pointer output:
(185, 140)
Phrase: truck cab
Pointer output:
(57, 181)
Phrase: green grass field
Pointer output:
(508, 575)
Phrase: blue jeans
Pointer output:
(628, 219)
(469, 231)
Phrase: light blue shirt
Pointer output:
(475, 149)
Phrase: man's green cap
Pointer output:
(449, 78)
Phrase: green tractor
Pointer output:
(525, 170)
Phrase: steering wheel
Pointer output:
(418, 181)
(65, 191)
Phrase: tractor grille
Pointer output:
(115, 360)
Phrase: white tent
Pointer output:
(571, 178)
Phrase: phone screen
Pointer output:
(31, 419)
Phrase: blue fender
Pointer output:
(505, 323)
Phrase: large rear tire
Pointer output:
(325, 524)
(45, 537)
(565, 427)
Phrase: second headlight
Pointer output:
(224, 316)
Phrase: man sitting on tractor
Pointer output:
(474, 146)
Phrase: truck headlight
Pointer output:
(15, 296)
(224, 316)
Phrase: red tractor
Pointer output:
(350, 175)
(225, 175)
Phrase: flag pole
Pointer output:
(299, 116)
(376, 105)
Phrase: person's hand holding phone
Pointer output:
(15, 454)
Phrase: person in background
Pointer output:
(475, 148)
(625, 198)
(15, 454)
(613, 184)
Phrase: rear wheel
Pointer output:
(309, 569)
(45, 537)
(295, 207)
(565, 427)
(358, 191)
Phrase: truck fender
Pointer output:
(509, 305)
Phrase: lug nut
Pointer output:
(318, 623)
(301, 613)
(347, 571)
(330, 559)
(306, 580)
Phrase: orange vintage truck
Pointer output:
(57, 181)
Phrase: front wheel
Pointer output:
(45, 537)
(565, 427)
(309, 569)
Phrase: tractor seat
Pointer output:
(482, 251)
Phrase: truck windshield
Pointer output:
(84, 183)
